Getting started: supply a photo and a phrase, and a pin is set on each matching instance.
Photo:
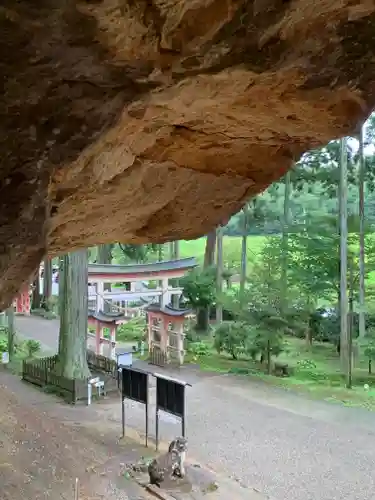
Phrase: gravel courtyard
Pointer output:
(283, 444)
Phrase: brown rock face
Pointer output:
(150, 120)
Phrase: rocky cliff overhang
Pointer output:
(151, 120)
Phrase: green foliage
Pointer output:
(199, 287)
(198, 349)
(33, 347)
(133, 330)
(368, 344)
(3, 345)
(231, 337)
(258, 309)
(137, 253)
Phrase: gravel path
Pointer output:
(285, 445)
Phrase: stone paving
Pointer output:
(284, 445)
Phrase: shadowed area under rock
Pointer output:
(140, 121)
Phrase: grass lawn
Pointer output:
(232, 252)
(231, 246)
(316, 372)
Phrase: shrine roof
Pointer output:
(152, 267)
(168, 310)
(105, 317)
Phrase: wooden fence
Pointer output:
(41, 372)
(157, 357)
(102, 364)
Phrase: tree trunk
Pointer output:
(175, 255)
(284, 243)
(203, 315)
(35, 298)
(171, 250)
(219, 275)
(343, 196)
(245, 228)
(203, 319)
(105, 257)
(11, 331)
(350, 326)
(47, 284)
(160, 252)
(269, 370)
(362, 313)
(73, 319)
(209, 253)
(308, 336)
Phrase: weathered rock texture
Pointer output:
(150, 120)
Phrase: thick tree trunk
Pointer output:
(219, 274)
(209, 253)
(73, 319)
(11, 331)
(203, 319)
(361, 189)
(343, 196)
(105, 257)
(203, 315)
(47, 284)
(35, 298)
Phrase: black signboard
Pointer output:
(134, 387)
(170, 397)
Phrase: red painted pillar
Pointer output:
(26, 298)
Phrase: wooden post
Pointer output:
(97, 337)
(101, 335)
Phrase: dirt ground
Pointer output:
(41, 455)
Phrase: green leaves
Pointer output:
(231, 337)
(137, 253)
(199, 287)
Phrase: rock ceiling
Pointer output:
(152, 120)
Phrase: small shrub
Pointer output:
(198, 349)
(32, 348)
(231, 337)
(133, 330)
(304, 364)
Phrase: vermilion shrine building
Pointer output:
(133, 278)
(110, 306)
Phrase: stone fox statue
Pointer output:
(170, 464)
